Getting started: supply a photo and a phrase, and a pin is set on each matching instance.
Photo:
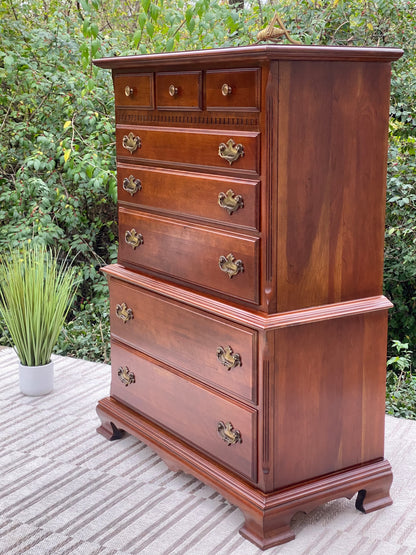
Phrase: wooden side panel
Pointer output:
(333, 124)
(329, 396)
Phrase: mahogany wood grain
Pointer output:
(186, 339)
(186, 409)
(194, 195)
(190, 253)
(333, 125)
(188, 147)
(329, 396)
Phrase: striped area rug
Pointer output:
(65, 490)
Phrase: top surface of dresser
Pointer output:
(255, 174)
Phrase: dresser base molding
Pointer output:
(267, 515)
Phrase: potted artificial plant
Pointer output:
(36, 292)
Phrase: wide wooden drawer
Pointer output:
(212, 349)
(237, 89)
(218, 199)
(178, 91)
(134, 90)
(190, 147)
(194, 413)
(223, 262)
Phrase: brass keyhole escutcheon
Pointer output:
(133, 238)
(128, 91)
(230, 151)
(173, 91)
(230, 201)
(230, 265)
(126, 376)
(131, 142)
(228, 358)
(132, 185)
(125, 314)
(226, 89)
(228, 434)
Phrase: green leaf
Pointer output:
(94, 30)
(142, 20)
(169, 44)
(150, 28)
(154, 11)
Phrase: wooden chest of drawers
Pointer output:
(247, 316)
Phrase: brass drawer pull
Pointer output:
(133, 238)
(230, 265)
(173, 91)
(125, 314)
(228, 434)
(230, 151)
(228, 358)
(132, 185)
(131, 143)
(126, 376)
(230, 201)
(128, 91)
(226, 89)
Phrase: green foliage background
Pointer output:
(57, 151)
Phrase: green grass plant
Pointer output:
(36, 292)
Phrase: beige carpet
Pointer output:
(65, 490)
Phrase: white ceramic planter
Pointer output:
(36, 380)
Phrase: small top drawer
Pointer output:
(232, 89)
(134, 90)
(178, 91)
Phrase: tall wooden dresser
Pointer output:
(247, 317)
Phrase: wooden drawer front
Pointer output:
(134, 90)
(190, 253)
(233, 89)
(180, 91)
(230, 201)
(191, 147)
(181, 406)
(185, 338)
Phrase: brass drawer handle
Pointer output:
(230, 265)
(131, 143)
(132, 185)
(230, 201)
(228, 434)
(226, 89)
(128, 91)
(126, 376)
(228, 358)
(173, 91)
(230, 151)
(133, 238)
(125, 314)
